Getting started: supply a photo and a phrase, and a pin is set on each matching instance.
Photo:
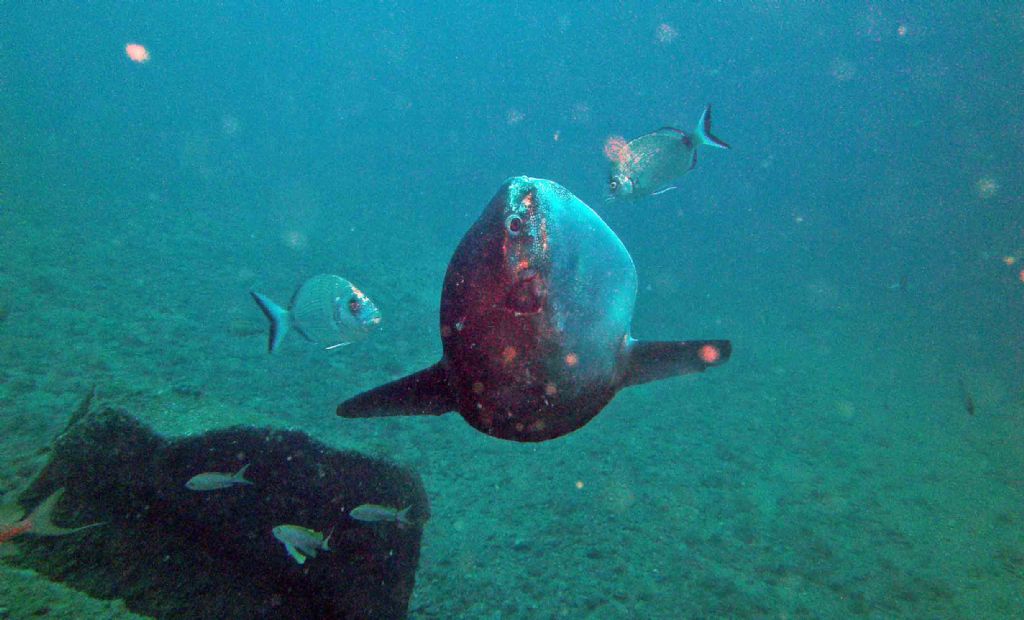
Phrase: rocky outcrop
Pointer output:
(170, 552)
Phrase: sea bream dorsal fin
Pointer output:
(676, 133)
(653, 360)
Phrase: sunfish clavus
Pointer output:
(535, 324)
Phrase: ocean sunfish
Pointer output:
(647, 165)
(535, 324)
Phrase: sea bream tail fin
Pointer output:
(279, 319)
(650, 361)
(422, 393)
(703, 132)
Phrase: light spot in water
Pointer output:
(842, 70)
(229, 125)
(478, 388)
(987, 187)
(571, 359)
(845, 409)
(137, 53)
(666, 34)
(295, 239)
(508, 354)
(579, 484)
(580, 112)
(514, 117)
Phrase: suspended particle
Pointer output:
(986, 187)
(136, 53)
(666, 34)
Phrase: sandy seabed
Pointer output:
(829, 470)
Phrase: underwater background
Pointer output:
(862, 245)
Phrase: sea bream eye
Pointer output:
(514, 224)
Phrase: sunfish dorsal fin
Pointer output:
(422, 393)
(650, 361)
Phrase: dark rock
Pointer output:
(173, 553)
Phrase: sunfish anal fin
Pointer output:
(422, 393)
(650, 361)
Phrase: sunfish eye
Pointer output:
(514, 224)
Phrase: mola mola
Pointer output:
(535, 324)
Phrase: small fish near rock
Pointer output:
(169, 552)
(214, 480)
(535, 324)
(375, 513)
(301, 542)
(326, 309)
(647, 166)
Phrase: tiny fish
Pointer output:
(325, 309)
(375, 513)
(214, 480)
(647, 165)
(301, 542)
(968, 398)
(899, 285)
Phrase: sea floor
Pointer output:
(829, 470)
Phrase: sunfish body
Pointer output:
(535, 324)
(647, 165)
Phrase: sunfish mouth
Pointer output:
(527, 294)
